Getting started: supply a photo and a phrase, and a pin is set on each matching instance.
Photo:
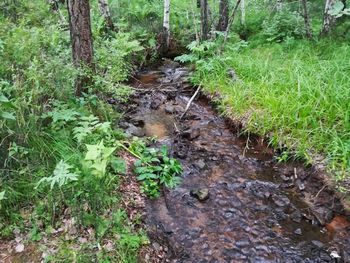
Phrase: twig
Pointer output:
(190, 101)
(246, 147)
(176, 128)
(320, 191)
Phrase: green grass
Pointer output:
(297, 93)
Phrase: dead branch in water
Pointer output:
(190, 101)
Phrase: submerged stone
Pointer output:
(201, 194)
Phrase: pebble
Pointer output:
(317, 243)
(298, 232)
(201, 194)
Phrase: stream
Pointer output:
(236, 203)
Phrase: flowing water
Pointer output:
(254, 209)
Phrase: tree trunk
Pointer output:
(104, 10)
(166, 27)
(223, 15)
(243, 13)
(56, 9)
(204, 19)
(308, 29)
(230, 21)
(328, 20)
(279, 5)
(81, 40)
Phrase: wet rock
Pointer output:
(281, 200)
(191, 134)
(138, 122)
(300, 185)
(322, 214)
(324, 257)
(155, 104)
(317, 243)
(200, 164)
(192, 117)
(243, 243)
(298, 232)
(123, 125)
(285, 178)
(296, 216)
(201, 194)
(135, 131)
(169, 109)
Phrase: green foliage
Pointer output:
(295, 92)
(282, 26)
(61, 176)
(155, 168)
(339, 10)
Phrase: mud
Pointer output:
(258, 210)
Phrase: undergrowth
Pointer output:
(295, 92)
(59, 165)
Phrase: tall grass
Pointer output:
(296, 92)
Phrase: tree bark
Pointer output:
(104, 10)
(204, 19)
(223, 15)
(81, 41)
(166, 27)
(328, 20)
(230, 21)
(243, 13)
(279, 5)
(308, 29)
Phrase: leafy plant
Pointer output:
(61, 176)
(339, 10)
(98, 157)
(283, 25)
(155, 169)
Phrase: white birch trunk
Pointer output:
(166, 23)
(279, 5)
(328, 20)
(243, 13)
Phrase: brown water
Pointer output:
(257, 211)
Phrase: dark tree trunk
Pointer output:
(328, 20)
(308, 29)
(223, 15)
(81, 39)
(204, 19)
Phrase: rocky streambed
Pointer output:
(236, 203)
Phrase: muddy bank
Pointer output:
(235, 203)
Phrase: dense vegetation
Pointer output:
(60, 154)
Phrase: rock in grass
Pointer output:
(201, 194)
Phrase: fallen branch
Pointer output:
(190, 101)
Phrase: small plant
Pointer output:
(61, 176)
(155, 169)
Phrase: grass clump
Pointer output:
(296, 92)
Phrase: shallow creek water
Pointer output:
(258, 210)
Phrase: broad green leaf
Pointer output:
(3, 99)
(93, 152)
(8, 115)
(2, 195)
